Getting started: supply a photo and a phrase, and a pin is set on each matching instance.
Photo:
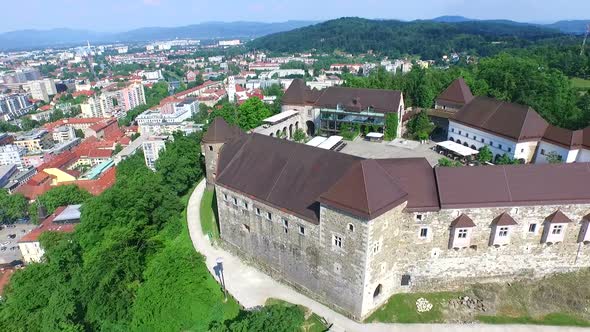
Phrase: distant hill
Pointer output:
(28, 39)
(570, 27)
(426, 38)
(576, 27)
(451, 19)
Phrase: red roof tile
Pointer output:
(48, 226)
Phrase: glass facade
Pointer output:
(331, 120)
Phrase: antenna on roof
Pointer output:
(585, 38)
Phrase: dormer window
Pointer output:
(555, 227)
(501, 228)
(461, 229)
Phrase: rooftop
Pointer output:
(513, 121)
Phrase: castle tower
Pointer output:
(218, 133)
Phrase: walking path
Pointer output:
(252, 288)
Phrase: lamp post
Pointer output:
(219, 272)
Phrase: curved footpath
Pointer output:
(252, 288)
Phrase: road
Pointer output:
(252, 288)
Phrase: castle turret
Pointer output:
(218, 133)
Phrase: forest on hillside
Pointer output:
(428, 39)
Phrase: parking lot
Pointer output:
(399, 148)
(9, 236)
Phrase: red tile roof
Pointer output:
(86, 93)
(48, 226)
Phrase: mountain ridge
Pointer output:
(63, 37)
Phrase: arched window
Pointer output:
(377, 291)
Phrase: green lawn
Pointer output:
(401, 308)
(561, 319)
(313, 322)
(580, 83)
(208, 214)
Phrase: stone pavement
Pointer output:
(251, 288)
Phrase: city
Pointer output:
(296, 172)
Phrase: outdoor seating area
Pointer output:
(334, 143)
(455, 151)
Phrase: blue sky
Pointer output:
(119, 15)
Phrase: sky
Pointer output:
(122, 15)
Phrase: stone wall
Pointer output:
(432, 266)
(307, 261)
(211, 153)
(372, 258)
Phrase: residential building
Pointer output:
(63, 134)
(42, 89)
(11, 155)
(35, 140)
(327, 223)
(63, 220)
(14, 106)
(151, 150)
(6, 172)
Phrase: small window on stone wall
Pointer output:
(301, 230)
(246, 228)
(532, 228)
(423, 232)
(337, 241)
(210, 147)
(350, 227)
(258, 212)
(269, 216)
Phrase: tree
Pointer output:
(554, 158)
(444, 162)
(251, 113)
(28, 123)
(180, 163)
(118, 148)
(12, 207)
(420, 126)
(391, 122)
(485, 155)
(273, 318)
(79, 133)
(299, 135)
(63, 195)
(505, 160)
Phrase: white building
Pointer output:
(151, 150)
(63, 220)
(506, 128)
(564, 145)
(12, 155)
(233, 42)
(63, 134)
(38, 90)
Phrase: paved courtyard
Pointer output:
(399, 148)
(9, 236)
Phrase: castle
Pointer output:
(351, 232)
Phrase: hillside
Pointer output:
(426, 38)
(29, 39)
